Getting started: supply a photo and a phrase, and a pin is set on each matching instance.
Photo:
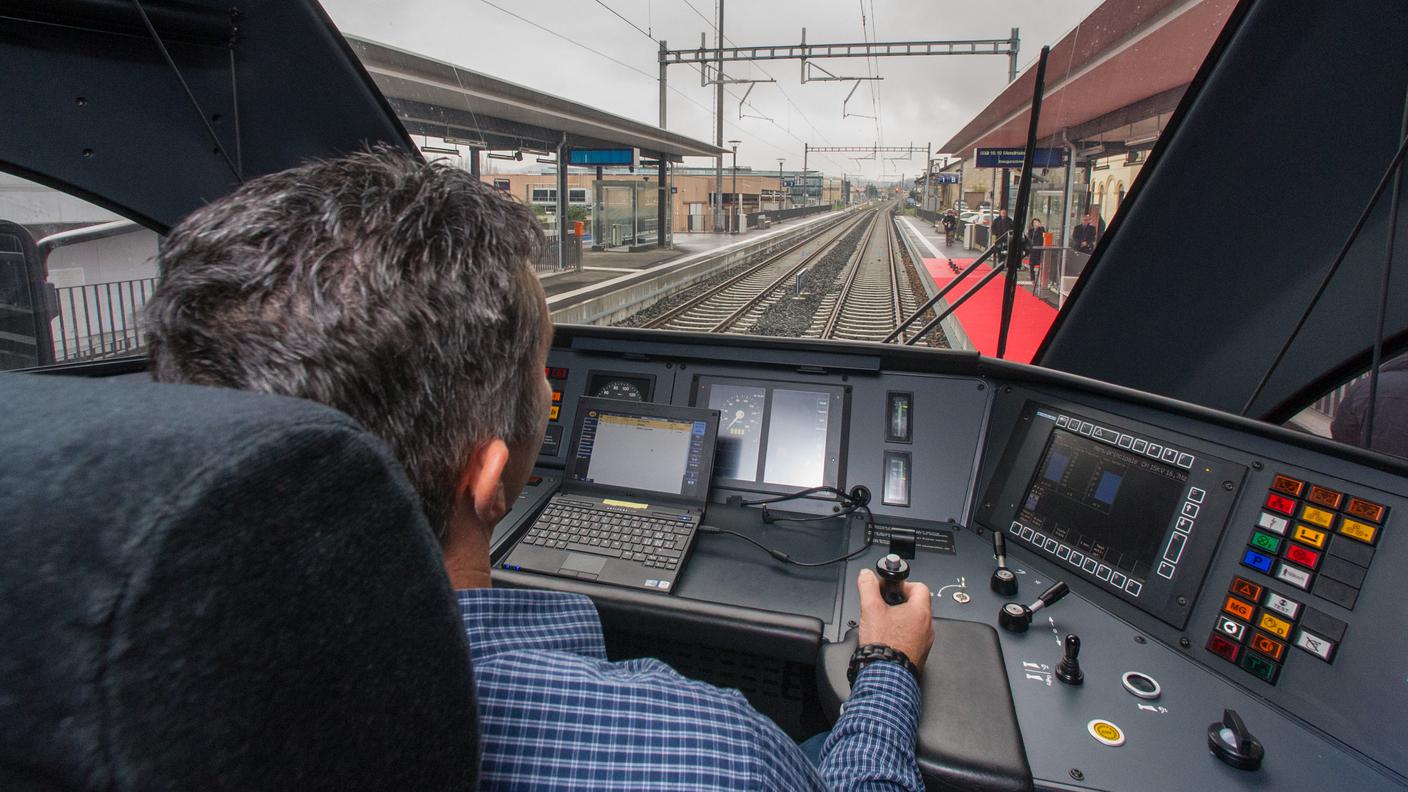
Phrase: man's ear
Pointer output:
(481, 481)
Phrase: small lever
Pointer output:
(1016, 617)
(893, 572)
(1068, 670)
(1231, 742)
(1003, 581)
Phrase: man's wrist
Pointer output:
(878, 653)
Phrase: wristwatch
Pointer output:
(870, 653)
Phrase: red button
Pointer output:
(1224, 648)
(1302, 555)
(1325, 497)
(1287, 485)
(1245, 588)
(1280, 503)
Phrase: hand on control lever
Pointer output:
(908, 626)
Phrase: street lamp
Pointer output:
(779, 183)
(737, 208)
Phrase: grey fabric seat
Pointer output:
(207, 589)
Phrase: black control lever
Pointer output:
(1016, 617)
(893, 572)
(1068, 670)
(1003, 581)
(1231, 742)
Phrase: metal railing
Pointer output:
(548, 260)
(100, 320)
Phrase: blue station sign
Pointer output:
(1012, 157)
(606, 158)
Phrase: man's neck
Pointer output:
(466, 550)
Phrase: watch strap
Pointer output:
(875, 652)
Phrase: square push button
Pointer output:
(1361, 531)
(1231, 628)
(1294, 575)
(1274, 625)
(1280, 503)
(1261, 562)
(1283, 605)
(1245, 589)
(1302, 555)
(1319, 517)
(1268, 646)
(1062, 420)
(1140, 446)
(1307, 535)
(1224, 647)
(1196, 494)
(1272, 523)
(1185, 461)
(1266, 542)
(1238, 608)
(1322, 648)
(1325, 497)
(1260, 667)
(1288, 485)
(1366, 510)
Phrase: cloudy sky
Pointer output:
(612, 64)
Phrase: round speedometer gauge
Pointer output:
(619, 389)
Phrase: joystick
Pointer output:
(1016, 617)
(893, 572)
(1068, 670)
(1230, 741)
(1003, 581)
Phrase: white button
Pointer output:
(1283, 605)
(1272, 523)
(1166, 570)
(1184, 524)
(1232, 629)
(1126, 441)
(1196, 495)
(1190, 510)
(1296, 577)
(1077, 557)
(1087, 428)
(1063, 552)
(1016, 528)
(1062, 420)
(1026, 532)
(1050, 545)
(1140, 446)
(1089, 565)
(1155, 450)
(1103, 572)
(1185, 461)
(1170, 455)
(1118, 579)
(1174, 551)
(1322, 648)
(1133, 587)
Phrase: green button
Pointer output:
(1259, 666)
(1266, 541)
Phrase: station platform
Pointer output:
(604, 265)
(981, 315)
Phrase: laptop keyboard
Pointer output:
(651, 541)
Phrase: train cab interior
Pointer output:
(1230, 579)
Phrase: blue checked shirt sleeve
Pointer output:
(872, 745)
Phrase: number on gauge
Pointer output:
(620, 389)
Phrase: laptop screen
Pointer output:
(652, 449)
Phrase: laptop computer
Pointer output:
(632, 497)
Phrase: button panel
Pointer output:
(1258, 625)
(1308, 533)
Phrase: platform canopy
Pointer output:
(435, 98)
(1113, 80)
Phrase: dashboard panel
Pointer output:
(1263, 559)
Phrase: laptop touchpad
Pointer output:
(582, 564)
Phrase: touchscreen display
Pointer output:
(797, 438)
(1113, 505)
(740, 429)
(776, 436)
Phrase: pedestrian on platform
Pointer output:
(1036, 235)
(1001, 225)
(950, 222)
(1086, 234)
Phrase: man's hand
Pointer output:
(908, 627)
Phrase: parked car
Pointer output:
(980, 217)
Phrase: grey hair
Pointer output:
(397, 291)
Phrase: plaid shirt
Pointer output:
(554, 713)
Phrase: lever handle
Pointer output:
(1072, 646)
(1052, 595)
(999, 548)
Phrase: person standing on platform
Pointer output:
(1001, 225)
(950, 222)
(1086, 234)
(1036, 235)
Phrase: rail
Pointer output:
(100, 320)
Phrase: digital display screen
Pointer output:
(797, 435)
(896, 490)
(1112, 505)
(740, 429)
(641, 452)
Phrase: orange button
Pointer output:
(1366, 510)
(1287, 485)
(1267, 645)
(1320, 517)
(1245, 588)
(1238, 608)
(1274, 626)
(557, 397)
(1307, 535)
(1280, 503)
(553, 412)
(1325, 497)
(1354, 529)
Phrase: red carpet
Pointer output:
(981, 315)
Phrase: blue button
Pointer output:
(1258, 561)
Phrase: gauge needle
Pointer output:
(738, 416)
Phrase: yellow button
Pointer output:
(1358, 530)
(1106, 732)
(1274, 625)
(1307, 535)
(1320, 517)
(553, 412)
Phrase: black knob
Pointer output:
(1014, 617)
(1068, 670)
(893, 572)
(1230, 741)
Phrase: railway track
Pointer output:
(735, 305)
(868, 304)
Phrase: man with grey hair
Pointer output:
(400, 293)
